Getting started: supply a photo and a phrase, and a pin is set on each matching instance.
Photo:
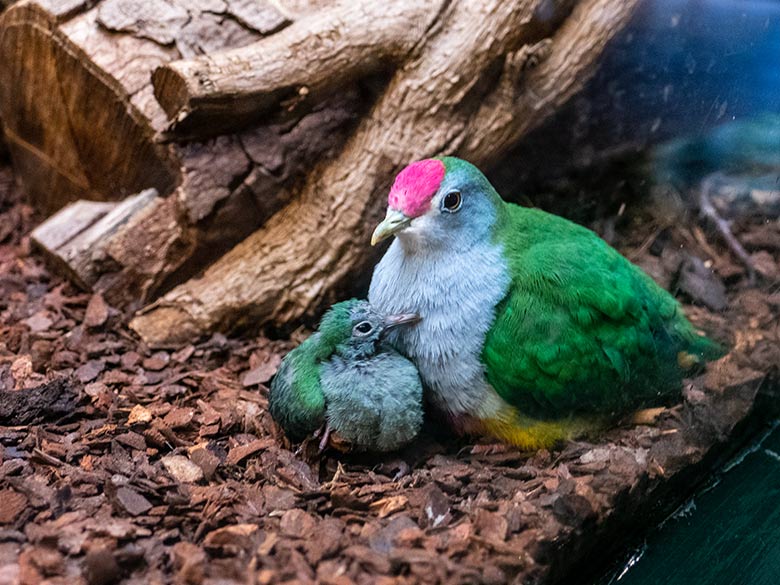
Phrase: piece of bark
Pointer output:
(34, 405)
(298, 260)
(261, 16)
(97, 312)
(160, 22)
(83, 251)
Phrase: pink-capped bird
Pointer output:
(533, 329)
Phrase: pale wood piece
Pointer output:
(69, 222)
(78, 239)
(447, 98)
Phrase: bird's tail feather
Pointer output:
(528, 433)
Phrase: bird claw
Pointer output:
(325, 430)
(403, 470)
(400, 466)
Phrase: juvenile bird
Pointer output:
(533, 329)
(348, 379)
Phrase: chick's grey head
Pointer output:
(356, 329)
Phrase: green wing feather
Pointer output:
(581, 330)
(296, 400)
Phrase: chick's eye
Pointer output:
(452, 201)
(363, 328)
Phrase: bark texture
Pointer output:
(49, 401)
(484, 75)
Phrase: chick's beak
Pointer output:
(401, 319)
(393, 223)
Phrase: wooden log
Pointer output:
(102, 54)
(51, 135)
(230, 89)
(467, 89)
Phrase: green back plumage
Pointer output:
(296, 400)
(587, 331)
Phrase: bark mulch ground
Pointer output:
(122, 464)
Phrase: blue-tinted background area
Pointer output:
(680, 68)
(695, 86)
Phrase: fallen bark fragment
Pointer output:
(49, 401)
(77, 238)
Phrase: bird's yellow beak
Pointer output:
(393, 223)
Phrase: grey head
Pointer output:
(355, 330)
(442, 203)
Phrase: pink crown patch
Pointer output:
(414, 187)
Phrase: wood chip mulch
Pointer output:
(120, 464)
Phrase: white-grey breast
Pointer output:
(456, 296)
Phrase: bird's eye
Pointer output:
(363, 328)
(452, 201)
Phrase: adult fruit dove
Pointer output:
(533, 329)
(347, 378)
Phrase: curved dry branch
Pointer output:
(468, 91)
(569, 60)
(311, 57)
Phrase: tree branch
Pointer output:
(315, 55)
